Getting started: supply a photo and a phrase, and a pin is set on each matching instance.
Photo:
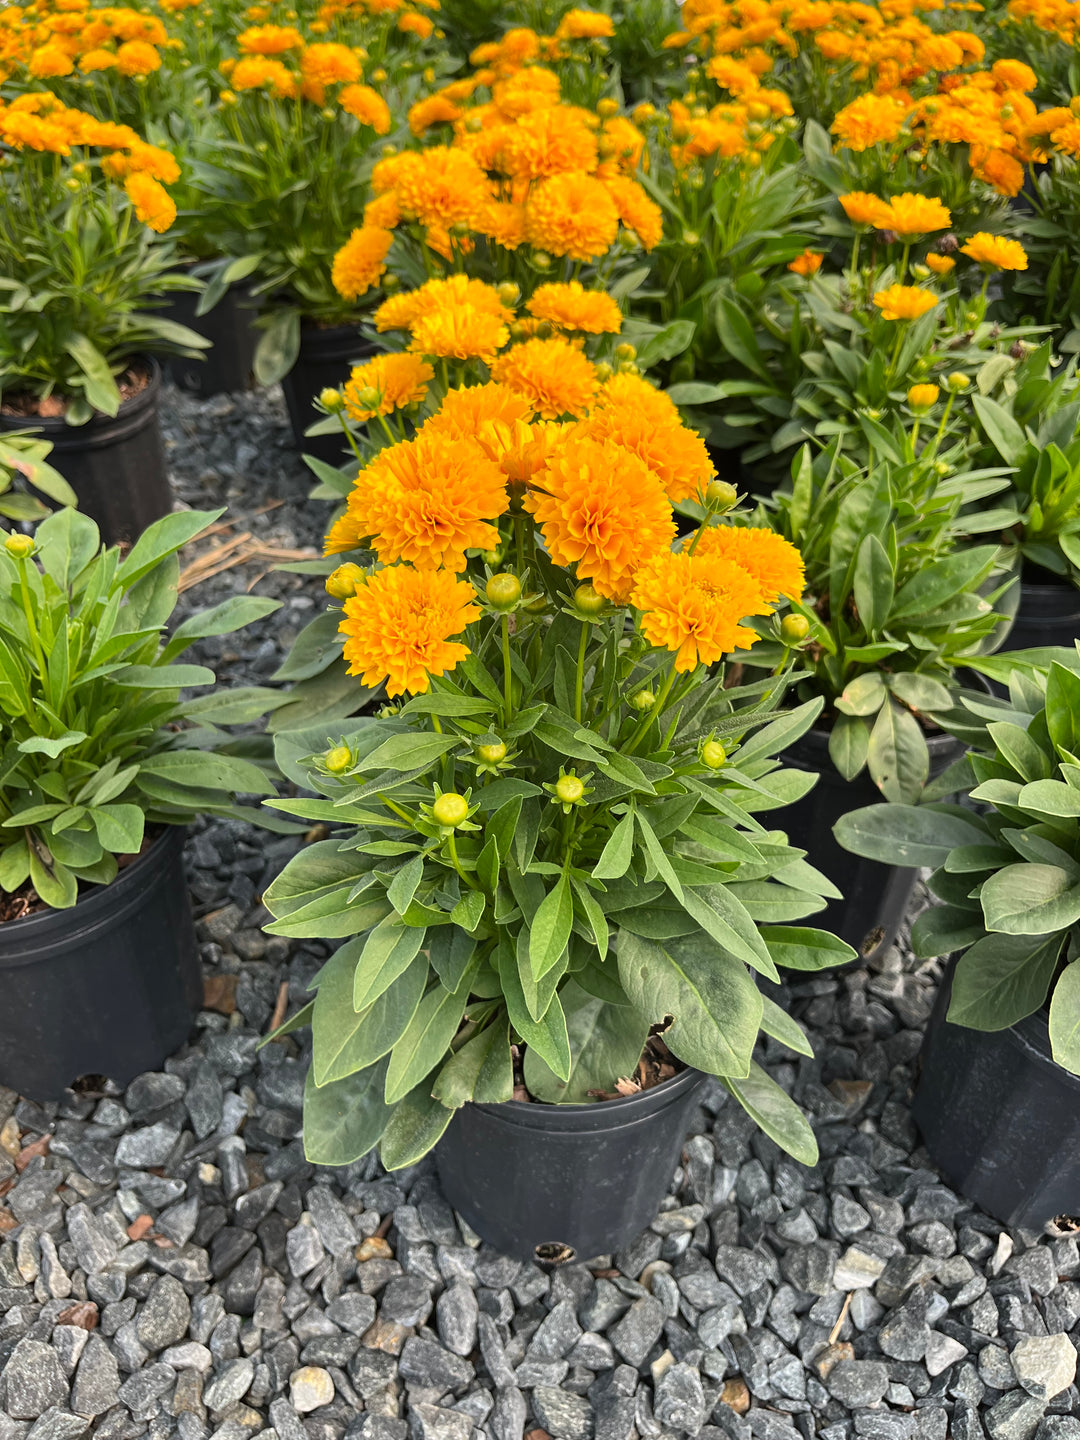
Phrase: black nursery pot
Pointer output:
(1048, 614)
(114, 463)
(1000, 1118)
(552, 1182)
(109, 987)
(876, 896)
(325, 359)
(227, 366)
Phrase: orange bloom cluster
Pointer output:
(46, 41)
(600, 499)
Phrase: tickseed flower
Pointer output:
(772, 562)
(869, 120)
(636, 210)
(865, 210)
(572, 307)
(676, 455)
(572, 214)
(904, 302)
(603, 510)
(940, 264)
(922, 397)
(400, 626)
(910, 215)
(398, 379)
(342, 582)
(360, 263)
(468, 412)
(692, 606)
(553, 375)
(460, 333)
(995, 252)
(366, 105)
(153, 204)
(807, 264)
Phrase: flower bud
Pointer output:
(508, 292)
(541, 260)
(643, 113)
(338, 759)
(607, 107)
(794, 629)
(642, 700)
(569, 789)
(450, 810)
(625, 352)
(491, 754)
(720, 495)
(332, 400)
(378, 76)
(691, 238)
(713, 754)
(344, 581)
(958, 381)
(588, 601)
(922, 398)
(369, 398)
(21, 546)
(504, 591)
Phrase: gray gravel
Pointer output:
(170, 1265)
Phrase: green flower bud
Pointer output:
(713, 754)
(338, 759)
(491, 754)
(794, 629)
(344, 581)
(569, 789)
(504, 591)
(450, 809)
(720, 495)
(21, 546)
(588, 601)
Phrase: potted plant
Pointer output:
(894, 608)
(82, 272)
(548, 870)
(103, 764)
(998, 1098)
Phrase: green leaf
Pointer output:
(716, 1006)
(672, 340)
(119, 827)
(208, 771)
(232, 614)
(404, 885)
(418, 1123)
(345, 1120)
(1018, 749)
(779, 1024)
(447, 703)
(450, 951)
(945, 928)
(1030, 900)
(380, 957)
(906, 835)
(1063, 708)
(408, 752)
(933, 584)
(1001, 429)
(547, 1036)
(316, 648)
(345, 1041)
(40, 745)
(163, 677)
(864, 695)
(481, 1070)
(797, 947)
(239, 705)
(1065, 1019)
(1050, 797)
(898, 758)
(722, 915)
(777, 1114)
(919, 692)
(617, 854)
(164, 537)
(100, 387)
(469, 910)
(594, 914)
(606, 1042)
(55, 884)
(278, 348)
(874, 584)
(549, 932)
(427, 1038)
(849, 745)
(1000, 979)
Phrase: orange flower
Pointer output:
(772, 562)
(676, 456)
(916, 215)
(636, 211)
(864, 209)
(869, 120)
(425, 501)
(398, 380)
(548, 142)
(366, 105)
(327, 64)
(995, 252)
(49, 60)
(572, 214)
(923, 397)
(400, 626)
(585, 25)
(433, 110)
(572, 307)
(692, 605)
(269, 40)
(136, 57)
(904, 302)
(463, 412)
(807, 264)
(413, 24)
(504, 222)
(359, 264)
(553, 375)
(602, 509)
(254, 72)
(628, 392)
(459, 332)
(153, 204)
(940, 264)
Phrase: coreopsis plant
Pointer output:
(99, 746)
(285, 175)
(897, 598)
(1008, 874)
(547, 846)
(82, 270)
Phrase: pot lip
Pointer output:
(97, 898)
(54, 425)
(676, 1085)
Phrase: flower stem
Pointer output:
(579, 683)
(508, 690)
(451, 846)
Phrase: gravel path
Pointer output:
(171, 1266)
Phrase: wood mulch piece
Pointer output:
(219, 993)
(84, 1314)
(235, 549)
(131, 383)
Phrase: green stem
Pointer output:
(508, 690)
(397, 809)
(579, 683)
(451, 846)
(29, 613)
(654, 713)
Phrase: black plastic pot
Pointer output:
(114, 463)
(1000, 1118)
(552, 1182)
(1048, 613)
(108, 987)
(876, 896)
(325, 359)
(229, 326)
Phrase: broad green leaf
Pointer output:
(418, 1123)
(715, 1004)
(1030, 900)
(945, 928)
(849, 744)
(549, 932)
(119, 827)
(380, 957)
(481, 1070)
(777, 1114)
(797, 947)
(404, 885)
(1065, 1018)
(41, 745)
(548, 1036)
(906, 835)
(617, 854)
(779, 1024)
(345, 1120)
(1063, 708)
(408, 752)
(1018, 749)
(1050, 797)
(450, 951)
(1003, 432)
(208, 771)
(606, 1042)
(864, 695)
(898, 758)
(919, 692)
(345, 1041)
(427, 1038)
(873, 584)
(1002, 978)
(164, 537)
(722, 915)
(101, 388)
(163, 677)
(933, 584)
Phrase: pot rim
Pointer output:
(36, 927)
(54, 425)
(653, 1097)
